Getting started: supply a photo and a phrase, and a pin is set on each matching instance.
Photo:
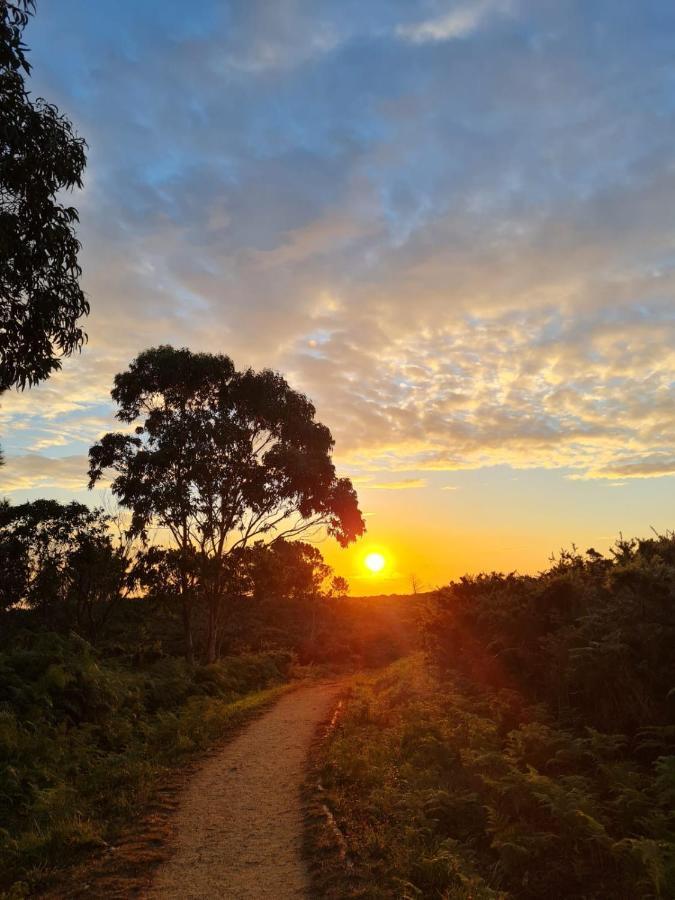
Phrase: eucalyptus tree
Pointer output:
(218, 459)
(41, 300)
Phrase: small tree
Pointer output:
(164, 573)
(61, 562)
(293, 592)
(415, 584)
(40, 156)
(218, 460)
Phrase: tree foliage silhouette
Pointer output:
(40, 155)
(219, 459)
(60, 560)
(291, 589)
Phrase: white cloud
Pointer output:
(459, 270)
(460, 22)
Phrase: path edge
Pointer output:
(125, 871)
(325, 847)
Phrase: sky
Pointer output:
(450, 222)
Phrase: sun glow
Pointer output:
(374, 562)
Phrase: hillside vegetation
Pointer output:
(530, 751)
(97, 700)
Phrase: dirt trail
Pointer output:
(239, 821)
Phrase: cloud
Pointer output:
(460, 22)
(33, 471)
(460, 249)
(651, 466)
(546, 390)
(402, 485)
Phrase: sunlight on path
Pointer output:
(240, 819)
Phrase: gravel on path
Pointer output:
(239, 821)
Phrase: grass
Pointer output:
(86, 742)
(444, 791)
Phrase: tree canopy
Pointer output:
(218, 459)
(222, 457)
(61, 561)
(41, 299)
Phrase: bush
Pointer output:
(533, 754)
(591, 637)
(439, 796)
(83, 740)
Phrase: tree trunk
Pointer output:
(312, 631)
(212, 636)
(187, 595)
(187, 631)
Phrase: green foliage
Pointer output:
(533, 754)
(439, 795)
(84, 741)
(40, 156)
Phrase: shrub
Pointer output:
(439, 796)
(84, 740)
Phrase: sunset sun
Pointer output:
(374, 562)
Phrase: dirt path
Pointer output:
(239, 821)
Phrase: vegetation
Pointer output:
(63, 563)
(97, 701)
(84, 740)
(219, 459)
(527, 751)
(592, 637)
(40, 156)
(90, 722)
(100, 629)
(531, 751)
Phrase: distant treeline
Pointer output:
(67, 569)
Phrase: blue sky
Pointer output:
(451, 223)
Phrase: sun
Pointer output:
(374, 562)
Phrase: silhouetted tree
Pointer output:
(40, 155)
(219, 459)
(62, 562)
(164, 573)
(294, 595)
